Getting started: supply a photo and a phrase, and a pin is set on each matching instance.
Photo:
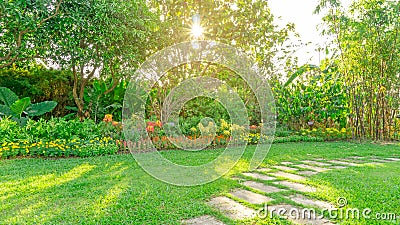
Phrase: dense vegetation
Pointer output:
(82, 56)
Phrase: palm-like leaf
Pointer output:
(41, 108)
(7, 96)
(20, 105)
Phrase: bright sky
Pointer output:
(300, 12)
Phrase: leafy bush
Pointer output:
(21, 109)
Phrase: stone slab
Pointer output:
(250, 197)
(286, 163)
(288, 175)
(315, 168)
(307, 173)
(232, 209)
(262, 187)
(339, 167)
(297, 186)
(300, 199)
(285, 168)
(342, 163)
(259, 176)
(315, 163)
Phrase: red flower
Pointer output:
(150, 128)
(253, 127)
(158, 123)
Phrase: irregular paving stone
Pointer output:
(288, 175)
(307, 173)
(286, 163)
(300, 199)
(285, 168)
(262, 187)
(343, 163)
(318, 169)
(357, 157)
(381, 160)
(232, 209)
(250, 197)
(265, 170)
(393, 159)
(297, 215)
(259, 176)
(297, 186)
(202, 220)
(316, 163)
(338, 167)
(320, 159)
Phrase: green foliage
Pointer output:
(315, 98)
(369, 44)
(22, 107)
(40, 85)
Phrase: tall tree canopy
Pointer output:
(367, 36)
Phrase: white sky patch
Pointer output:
(300, 12)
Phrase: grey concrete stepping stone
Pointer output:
(250, 197)
(393, 159)
(315, 168)
(259, 176)
(285, 168)
(343, 163)
(262, 187)
(298, 215)
(339, 167)
(300, 199)
(232, 209)
(265, 170)
(357, 157)
(316, 163)
(286, 163)
(288, 175)
(381, 160)
(202, 220)
(297, 186)
(307, 173)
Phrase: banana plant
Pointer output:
(21, 109)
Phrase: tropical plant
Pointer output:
(21, 109)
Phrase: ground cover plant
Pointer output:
(115, 190)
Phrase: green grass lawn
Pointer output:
(115, 190)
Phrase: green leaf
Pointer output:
(5, 111)
(20, 105)
(7, 96)
(300, 72)
(41, 108)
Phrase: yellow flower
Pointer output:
(193, 129)
(227, 133)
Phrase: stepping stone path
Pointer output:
(232, 209)
(315, 163)
(290, 176)
(250, 197)
(285, 168)
(262, 187)
(297, 186)
(343, 163)
(259, 176)
(237, 211)
(317, 169)
(307, 173)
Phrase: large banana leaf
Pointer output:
(5, 111)
(20, 105)
(299, 72)
(7, 96)
(40, 108)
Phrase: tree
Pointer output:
(25, 33)
(367, 36)
(100, 38)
